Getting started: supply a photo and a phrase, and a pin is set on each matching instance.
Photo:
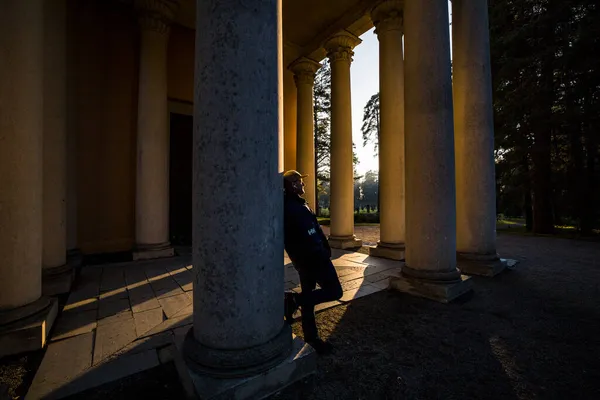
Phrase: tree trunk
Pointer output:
(527, 207)
(588, 200)
(542, 186)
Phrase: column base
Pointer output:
(344, 242)
(152, 251)
(480, 264)
(299, 363)
(26, 328)
(443, 291)
(392, 251)
(57, 280)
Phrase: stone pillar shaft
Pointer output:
(290, 99)
(305, 70)
(21, 152)
(280, 102)
(238, 286)
(152, 184)
(430, 269)
(387, 18)
(25, 316)
(474, 129)
(57, 274)
(339, 50)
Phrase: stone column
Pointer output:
(304, 75)
(339, 50)
(57, 273)
(280, 102)
(74, 257)
(152, 184)
(430, 269)
(290, 111)
(25, 316)
(239, 346)
(387, 18)
(474, 140)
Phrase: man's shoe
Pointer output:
(321, 347)
(290, 306)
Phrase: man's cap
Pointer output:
(293, 176)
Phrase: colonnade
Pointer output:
(437, 189)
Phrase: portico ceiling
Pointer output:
(307, 23)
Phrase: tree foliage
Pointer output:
(322, 123)
(546, 81)
(370, 127)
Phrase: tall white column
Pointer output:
(430, 269)
(304, 75)
(387, 18)
(280, 101)
(238, 329)
(57, 274)
(339, 50)
(25, 316)
(474, 139)
(290, 115)
(152, 184)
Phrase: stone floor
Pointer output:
(121, 319)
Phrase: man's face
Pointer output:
(298, 187)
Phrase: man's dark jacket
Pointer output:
(304, 239)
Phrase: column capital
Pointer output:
(388, 16)
(339, 46)
(304, 70)
(156, 15)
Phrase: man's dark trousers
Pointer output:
(318, 270)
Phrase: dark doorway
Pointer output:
(180, 180)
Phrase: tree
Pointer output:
(371, 126)
(322, 122)
(546, 108)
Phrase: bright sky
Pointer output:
(365, 83)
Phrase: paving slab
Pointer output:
(165, 286)
(120, 317)
(184, 312)
(150, 342)
(142, 298)
(146, 320)
(135, 277)
(63, 362)
(342, 262)
(353, 284)
(364, 290)
(111, 338)
(170, 324)
(173, 304)
(111, 371)
(112, 278)
(383, 284)
(110, 306)
(183, 277)
(383, 275)
(87, 288)
(74, 322)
